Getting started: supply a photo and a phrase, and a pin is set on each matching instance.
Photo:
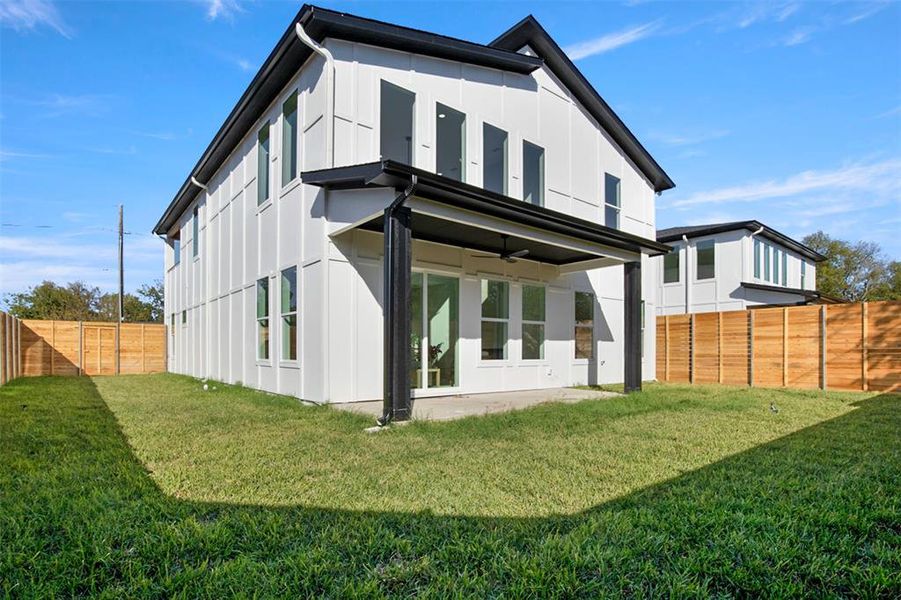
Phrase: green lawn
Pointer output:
(149, 486)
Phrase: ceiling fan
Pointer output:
(507, 255)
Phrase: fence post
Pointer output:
(719, 346)
(751, 348)
(691, 348)
(118, 348)
(823, 347)
(785, 347)
(52, 345)
(863, 347)
(3, 348)
(17, 356)
(666, 347)
(81, 347)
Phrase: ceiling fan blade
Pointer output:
(518, 254)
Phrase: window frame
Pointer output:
(677, 253)
(264, 161)
(263, 282)
(506, 159)
(803, 273)
(766, 263)
(698, 248)
(184, 317)
(383, 84)
(541, 173)
(439, 106)
(524, 321)
(784, 268)
(757, 252)
(176, 252)
(617, 208)
(283, 314)
(776, 264)
(577, 325)
(290, 153)
(195, 232)
(504, 320)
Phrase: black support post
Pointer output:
(632, 326)
(398, 263)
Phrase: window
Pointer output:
(289, 139)
(495, 314)
(532, 322)
(176, 251)
(784, 268)
(706, 260)
(671, 266)
(756, 258)
(263, 165)
(533, 174)
(263, 318)
(776, 266)
(450, 142)
(494, 159)
(584, 329)
(396, 123)
(172, 324)
(289, 313)
(184, 317)
(766, 262)
(803, 273)
(611, 201)
(195, 240)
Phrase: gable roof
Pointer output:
(529, 32)
(674, 234)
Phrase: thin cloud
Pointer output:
(798, 36)
(28, 15)
(165, 136)
(58, 105)
(222, 9)
(889, 113)
(6, 155)
(688, 139)
(611, 41)
(866, 13)
(875, 178)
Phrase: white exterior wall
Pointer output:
(340, 278)
(734, 264)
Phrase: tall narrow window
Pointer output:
(776, 266)
(450, 142)
(803, 273)
(263, 165)
(195, 232)
(784, 268)
(756, 258)
(494, 159)
(176, 251)
(289, 139)
(289, 313)
(533, 174)
(706, 268)
(584, 325)
(766, 262)
(671, 266)
(396, 123)
(263, 318)
(172, 334)
(495, 315)
(611, 201)
(184, 317)
(532, 322)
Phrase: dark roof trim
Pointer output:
(388, 173)
(287, 57)
(809, 294)
(674, 234)
(530, 32)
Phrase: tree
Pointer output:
(857, 272)
(152, 295)
(73, 302)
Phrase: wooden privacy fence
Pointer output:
(839, 346)
(10, 340)
(90, 348)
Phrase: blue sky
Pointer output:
(787, 112)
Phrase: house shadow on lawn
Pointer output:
(817, 512)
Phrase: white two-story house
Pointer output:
(389, 214)
(733, 266)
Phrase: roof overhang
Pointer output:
(753, 225)
(439, 190)
(809, 295)
(529, 32)
(290, 54)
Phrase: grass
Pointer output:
(148, 486)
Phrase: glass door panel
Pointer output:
(434, 331)
(416, 341)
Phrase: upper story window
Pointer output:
(396, 123)
(195, 232)
(450, 142)
(176, 251)
(706, 260)
(263, 165)
(494, 159)
(671, 266)
(803, 273)
(611, 201)
(495, 315)
(533, 173)
(533, 316)
(784, 268)
(776, 264)
(766, 262)
(289, 139)
(756, 258)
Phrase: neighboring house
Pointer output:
(733, 266)
(479, 203)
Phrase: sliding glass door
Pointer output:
(434, 331)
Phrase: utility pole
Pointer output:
(121, 269)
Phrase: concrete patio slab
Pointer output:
(446, 408)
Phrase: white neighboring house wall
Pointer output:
(339, 279)
(734, 264)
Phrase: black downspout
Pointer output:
(632, 326)
(396, 302)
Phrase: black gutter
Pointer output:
(388, 173)
(288, 56)
(812, 294)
